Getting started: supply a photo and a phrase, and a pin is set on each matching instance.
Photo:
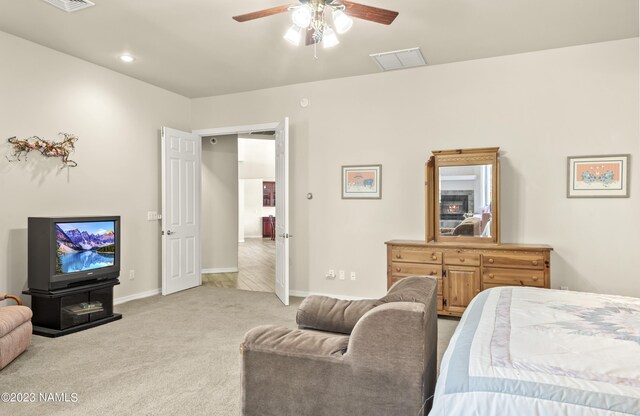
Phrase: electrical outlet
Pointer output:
(331, 275)
(341, 275)
(564, 287)
(132, 274)
(353, 275)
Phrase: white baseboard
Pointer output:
(253, 236)
(295, 293)
(221, 270)
(141, 295)
(304, 294)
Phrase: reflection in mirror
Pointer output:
(465, 200)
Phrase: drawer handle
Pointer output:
(462, 259)
(491, 261)
(398, 269)
(534, 262)
(535, 278)
(491, 276)
(433, 257)
(433, 272)
(398, 256)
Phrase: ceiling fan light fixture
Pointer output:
(293, 35)
(341, 21)
(329, 38)
(301, 16)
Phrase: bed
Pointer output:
(528, 351)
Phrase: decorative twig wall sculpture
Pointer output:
(47, 148)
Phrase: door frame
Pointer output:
(222, 131)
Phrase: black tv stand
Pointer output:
(65, 311)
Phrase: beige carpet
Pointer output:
(175, 355)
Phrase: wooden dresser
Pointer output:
(464, 270)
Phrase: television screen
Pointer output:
(84, 246)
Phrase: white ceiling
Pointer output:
(194, 48)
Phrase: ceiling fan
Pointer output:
(309, 16)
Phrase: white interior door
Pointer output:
(282, 211)
(180, 210)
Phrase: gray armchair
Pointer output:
(369, 357)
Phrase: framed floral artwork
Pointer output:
(605, 176)
(362, 182)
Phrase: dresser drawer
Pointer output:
(415, 255)
(524, 261)
(461, 258)
(416, 269)
(512, 277)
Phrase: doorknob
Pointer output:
(169, 232)
(285, 235)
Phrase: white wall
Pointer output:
(117, 118)
(258, 158)
(538, 107)
(219, 239)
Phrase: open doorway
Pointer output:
(183, 178)
(246, 260)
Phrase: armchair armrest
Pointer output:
(294, 342)
(334, 315)
(390, 337)
(4, 296)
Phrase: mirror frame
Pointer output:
(460, 157)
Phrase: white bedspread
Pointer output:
(526, 351)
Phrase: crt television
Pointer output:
(65, 252)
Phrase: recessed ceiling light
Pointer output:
(127, 58)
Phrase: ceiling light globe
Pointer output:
(127, 58)
(293, 35)
(341, 21)
(301, 16)
(329, 39)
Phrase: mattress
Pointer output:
(528, 351)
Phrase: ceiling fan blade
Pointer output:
(261, 13)
(374, 14)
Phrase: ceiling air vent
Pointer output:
(405, 58)
(70, 5)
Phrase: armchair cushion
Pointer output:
(295, 342)
(333, 315)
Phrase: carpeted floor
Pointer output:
(170, 355)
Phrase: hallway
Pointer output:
(257, 265)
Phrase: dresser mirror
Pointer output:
(462, 188)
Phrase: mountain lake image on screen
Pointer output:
(84, 246)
